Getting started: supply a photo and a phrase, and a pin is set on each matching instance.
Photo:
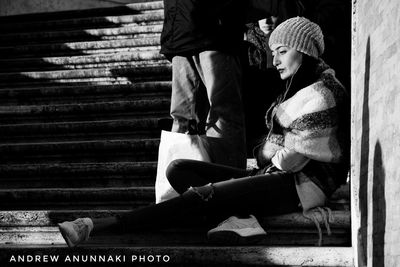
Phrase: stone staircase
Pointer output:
(83, 97)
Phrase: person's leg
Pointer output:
(222, 76)
(267, 194)
(183, 173)
(264, 194)
(185, 85)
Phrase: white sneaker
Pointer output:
(238, 231)
(77, 231)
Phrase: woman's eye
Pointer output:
(282, 52)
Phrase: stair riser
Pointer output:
(78, 181)
(81, 136)
(84, 94)
(51, 236)
(80, 152)
(131, 126)
(136, 5)
(80, 131)
(107, 81)
(137, 73)
(129, 32)
(44, 66)
(18, 98)
(81, 48)
(83, 108)
(114, 174)
(55, 118)
(149, 17)
(138, 56)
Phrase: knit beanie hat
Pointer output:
(301, 34)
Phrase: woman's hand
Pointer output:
(289, 160)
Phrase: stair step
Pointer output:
(60, 93)
(84, 111)
(81, 130)
(84, 151)
(80, 48)
(110, 75)
(288, 229)
(78, 175)
(206, 255)
(119, 60)
(85, 198)
(16, 218)
(136, 17)
(172, 237)
(86, 73)
(134, 6)
(116, 33)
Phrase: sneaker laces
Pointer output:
(83, 226)
(326, 215)
(239, 222)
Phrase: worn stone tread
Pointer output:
(340, 218)
(120, 78)
(81, 108)
(76, 146)
(134, 6)
(78, 175)
(48, 94)
(64, 128)
(41, 76)
(127, 32)
(100, 21)
(71, 195)
(169, 237)
(120, 57)
(81, 48)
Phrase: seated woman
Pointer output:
(303, 159)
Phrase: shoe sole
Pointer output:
(232, 238)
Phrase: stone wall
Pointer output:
(16, 7)
(376, 132)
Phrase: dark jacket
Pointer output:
(193, 26)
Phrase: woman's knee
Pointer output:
(175, 168)
(175, 174)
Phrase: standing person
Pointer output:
(261, 82)
(202, 39)
(303, 159)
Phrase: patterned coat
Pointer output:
(314, 122)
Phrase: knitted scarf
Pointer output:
(312, 122)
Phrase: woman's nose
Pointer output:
(275, 60)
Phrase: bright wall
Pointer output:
(376, 132)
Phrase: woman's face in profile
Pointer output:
(286, 60)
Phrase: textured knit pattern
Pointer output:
(311, 123)
(301, 34)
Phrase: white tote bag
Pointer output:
(176, 146)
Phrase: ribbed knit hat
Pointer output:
(301, 34)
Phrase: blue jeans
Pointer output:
(206, 87)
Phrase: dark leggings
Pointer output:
(215, 190)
